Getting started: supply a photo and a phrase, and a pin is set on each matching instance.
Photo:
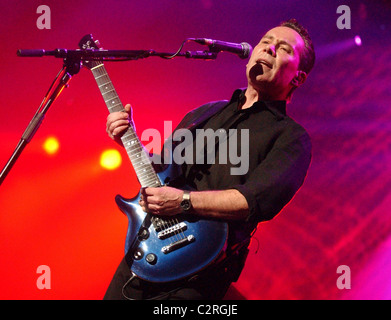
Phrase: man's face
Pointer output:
(274, 62)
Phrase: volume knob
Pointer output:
(138, 254)
(151, 258)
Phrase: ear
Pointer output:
(299, 79)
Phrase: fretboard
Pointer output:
(134, 148)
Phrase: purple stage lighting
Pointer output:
(357, 40)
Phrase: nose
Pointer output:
(270, 49)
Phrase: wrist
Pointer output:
(186, 202)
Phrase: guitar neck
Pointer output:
(134, 148)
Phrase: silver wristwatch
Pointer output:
(186, 203)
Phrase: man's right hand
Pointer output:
(118, 122)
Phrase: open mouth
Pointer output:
(256, 70)
(265, 63)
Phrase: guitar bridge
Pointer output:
(178, 244)
(172, 230)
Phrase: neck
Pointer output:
(253, 95)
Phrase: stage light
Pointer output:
(110, 159)
(330, 49)
(51, 145)
(357, 40)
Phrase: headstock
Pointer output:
(87, 42)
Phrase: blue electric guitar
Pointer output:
(157, 249)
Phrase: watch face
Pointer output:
(185, 204)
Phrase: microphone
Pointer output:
(30, 52)
(243, 50)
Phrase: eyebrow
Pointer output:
(280, 41)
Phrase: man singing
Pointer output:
(278, 159)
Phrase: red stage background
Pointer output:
(59, 210)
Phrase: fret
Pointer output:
(101, 79)
(130, 141)
(103, 93)
(137, 153)
(99, 73)
(146, 167)
(110, 96)
(141, 166)
(111, 99)
(96, 70)
(130, 137)
(140, 161)
(127, 134)
(148, 182)
(112, 104)
(152, 184)
(96, 78)
(136, 150)
(106, 83)
(144, 163)
(116, 108)
(145, 175)
(111, 92)
(104, 86)
(140, 158)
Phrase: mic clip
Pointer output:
(205, 55)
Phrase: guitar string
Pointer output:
(180, 229)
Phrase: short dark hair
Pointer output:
(307, 58)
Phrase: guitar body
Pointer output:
(202, 241)
(157, 249)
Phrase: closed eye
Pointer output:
(286, 49)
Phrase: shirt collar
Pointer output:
(276, 107)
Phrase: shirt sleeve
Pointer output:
(278, 177)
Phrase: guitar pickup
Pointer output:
(178, 244)
(170, 231)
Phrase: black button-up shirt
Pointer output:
(279, 154)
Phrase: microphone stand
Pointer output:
(71, 66)
(113, 55)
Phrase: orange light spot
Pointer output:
(110, 159)
(51, 145)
